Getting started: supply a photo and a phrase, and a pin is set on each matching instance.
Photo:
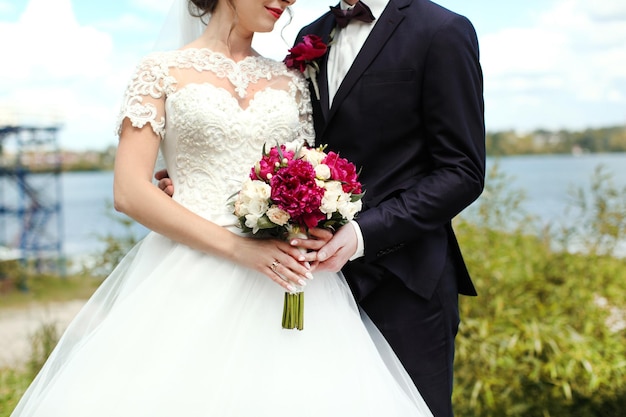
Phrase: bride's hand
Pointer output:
(281, 262)
(328, 251)
(317, 238)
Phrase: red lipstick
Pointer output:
(275, 12)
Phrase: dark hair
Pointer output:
(201, 8)
(204, 8)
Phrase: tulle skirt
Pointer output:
(176, 332)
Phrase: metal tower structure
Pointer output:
(31, 222)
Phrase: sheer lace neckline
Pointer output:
(208, 51)
(242, 105)
(240, 73)
(256, 83)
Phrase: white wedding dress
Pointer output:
(174, 332)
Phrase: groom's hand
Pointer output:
(164, 182)
(338, 250)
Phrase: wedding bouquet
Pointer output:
(291, 189)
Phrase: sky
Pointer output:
(547, 64)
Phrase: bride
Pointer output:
(188, 324)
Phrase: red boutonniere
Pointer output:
(304, 56)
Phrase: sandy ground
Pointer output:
(17, 325)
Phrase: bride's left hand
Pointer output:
(336, 253)
(318, 237)
(328, 251)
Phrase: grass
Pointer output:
(47, 288)
(13, 383)
(40, 289)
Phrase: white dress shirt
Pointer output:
(346, 45)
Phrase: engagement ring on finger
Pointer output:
(274, 265)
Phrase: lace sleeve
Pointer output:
(144, 99)
(305, 131)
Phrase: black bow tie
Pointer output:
(360, 11)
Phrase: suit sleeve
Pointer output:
(453, 119)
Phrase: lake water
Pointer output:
(545, 179)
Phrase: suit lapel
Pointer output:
(322, 78)
(388, 21)
(323, 86)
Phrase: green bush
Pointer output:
(13, 384)
(600, 225)
(547, 335)
(115, 246)
(42, 343)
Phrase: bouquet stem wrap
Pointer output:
(293, 308)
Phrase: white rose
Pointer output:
(349, 209)
(253, 198)
(240, 208)
(252, 222)
(333, 187)
(258, 207)
(259, 190)
(322, 171)
(278, 216)
(312, 156)
(293, 145)
(333, 196)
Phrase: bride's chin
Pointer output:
(265, 25)
(265, 28)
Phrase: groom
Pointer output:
(401, 95)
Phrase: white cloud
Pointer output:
(128, 22)
(161, 7)
(56, 66)
(574, 51)
(40, 52)
(6, 7)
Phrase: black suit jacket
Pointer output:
(410, 114)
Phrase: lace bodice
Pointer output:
(214, 115)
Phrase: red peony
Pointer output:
(311, 48)
(295, 191)
(344, 171)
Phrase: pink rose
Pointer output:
(344, 171)
(267, 164)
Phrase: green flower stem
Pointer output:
(293, 311)
(300, 324)
(285, 306)
(293, 308)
